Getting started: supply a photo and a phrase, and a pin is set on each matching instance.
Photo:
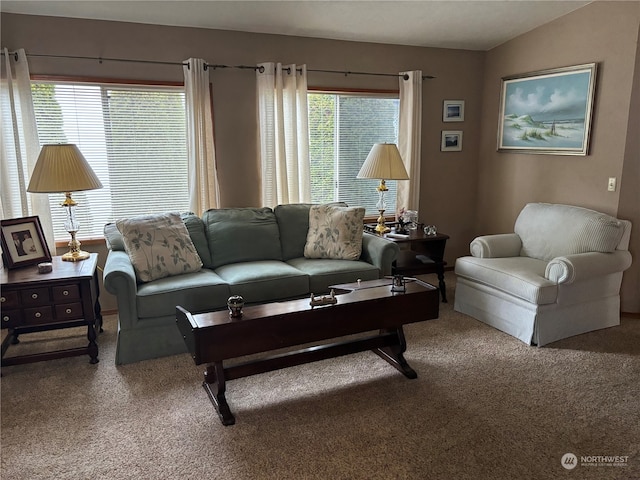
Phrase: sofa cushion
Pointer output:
(522, 277)
(549, 230)
(323, 273)
(197, 292)
(293, 221)
(195, 226)
(334, 232)
(159, 246)
(265, 280)
(242, 235)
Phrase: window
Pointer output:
(342, 129)
(134, 138)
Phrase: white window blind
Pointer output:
(134, 138)
(342, 129)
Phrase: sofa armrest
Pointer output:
(119, 279)
(582, 266)
(496, 246)
(379, 252)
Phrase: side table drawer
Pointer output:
(35, 296)
(38, 315)
(11, 318)
(9, 300)
(69, 311)
(66, 293)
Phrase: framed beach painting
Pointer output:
(548, 111)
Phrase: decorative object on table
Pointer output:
(23, 242)
(235, 304)
(547, 111)
(61, 168)
(45, 267)
(399, 284)
(451, 141)
(410, 219)
(324, 299)
(453, 111)
(383, 163)
(430, 230)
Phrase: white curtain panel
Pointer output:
(204, 190)
(284, 133)
(20, 146)
(409, 138)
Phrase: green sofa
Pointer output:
(257, 253)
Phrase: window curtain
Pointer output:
(409, 138)
(204, 190)
(283, 133)
(20, 146)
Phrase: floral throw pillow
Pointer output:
(334, 232)
(159, 246)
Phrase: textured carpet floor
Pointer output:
(484, 406)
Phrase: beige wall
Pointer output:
(464, 193)
(602, 32)
(458, 72)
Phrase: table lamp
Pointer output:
(61, 168)
(384, 163)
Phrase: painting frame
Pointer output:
(23, 242)
(548, 111)
(453, 111)
(451, 141)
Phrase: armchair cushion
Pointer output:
(548, 231)
(496, 246)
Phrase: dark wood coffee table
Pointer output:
(215, 337)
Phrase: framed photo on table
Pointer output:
(23, 242)
(547, 112)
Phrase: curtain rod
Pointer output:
(210, 65)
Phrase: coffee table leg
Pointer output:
(214, 384)
(394, 354)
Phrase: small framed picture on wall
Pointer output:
(453, 111)
(451, 141)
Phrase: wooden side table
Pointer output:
(421, 253)
(64, 298)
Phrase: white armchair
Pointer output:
(556, 276)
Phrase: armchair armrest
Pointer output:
(496, 246)
(119, 279)
(379, 252)
(582, 266)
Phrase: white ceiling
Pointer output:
(466, 24)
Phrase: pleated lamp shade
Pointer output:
(384, 162)
(62, 168)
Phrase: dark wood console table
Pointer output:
(64, 298)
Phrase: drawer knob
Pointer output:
(34, 295)
(2, 299)
(65, 293)
(6, 318)
(68, 310)
(38, 315)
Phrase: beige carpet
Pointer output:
(484, 406)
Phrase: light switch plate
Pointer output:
(611, 187)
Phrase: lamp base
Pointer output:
(381, 228)
(75, 256)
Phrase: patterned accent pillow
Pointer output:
(159, 246)
(334, 232)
